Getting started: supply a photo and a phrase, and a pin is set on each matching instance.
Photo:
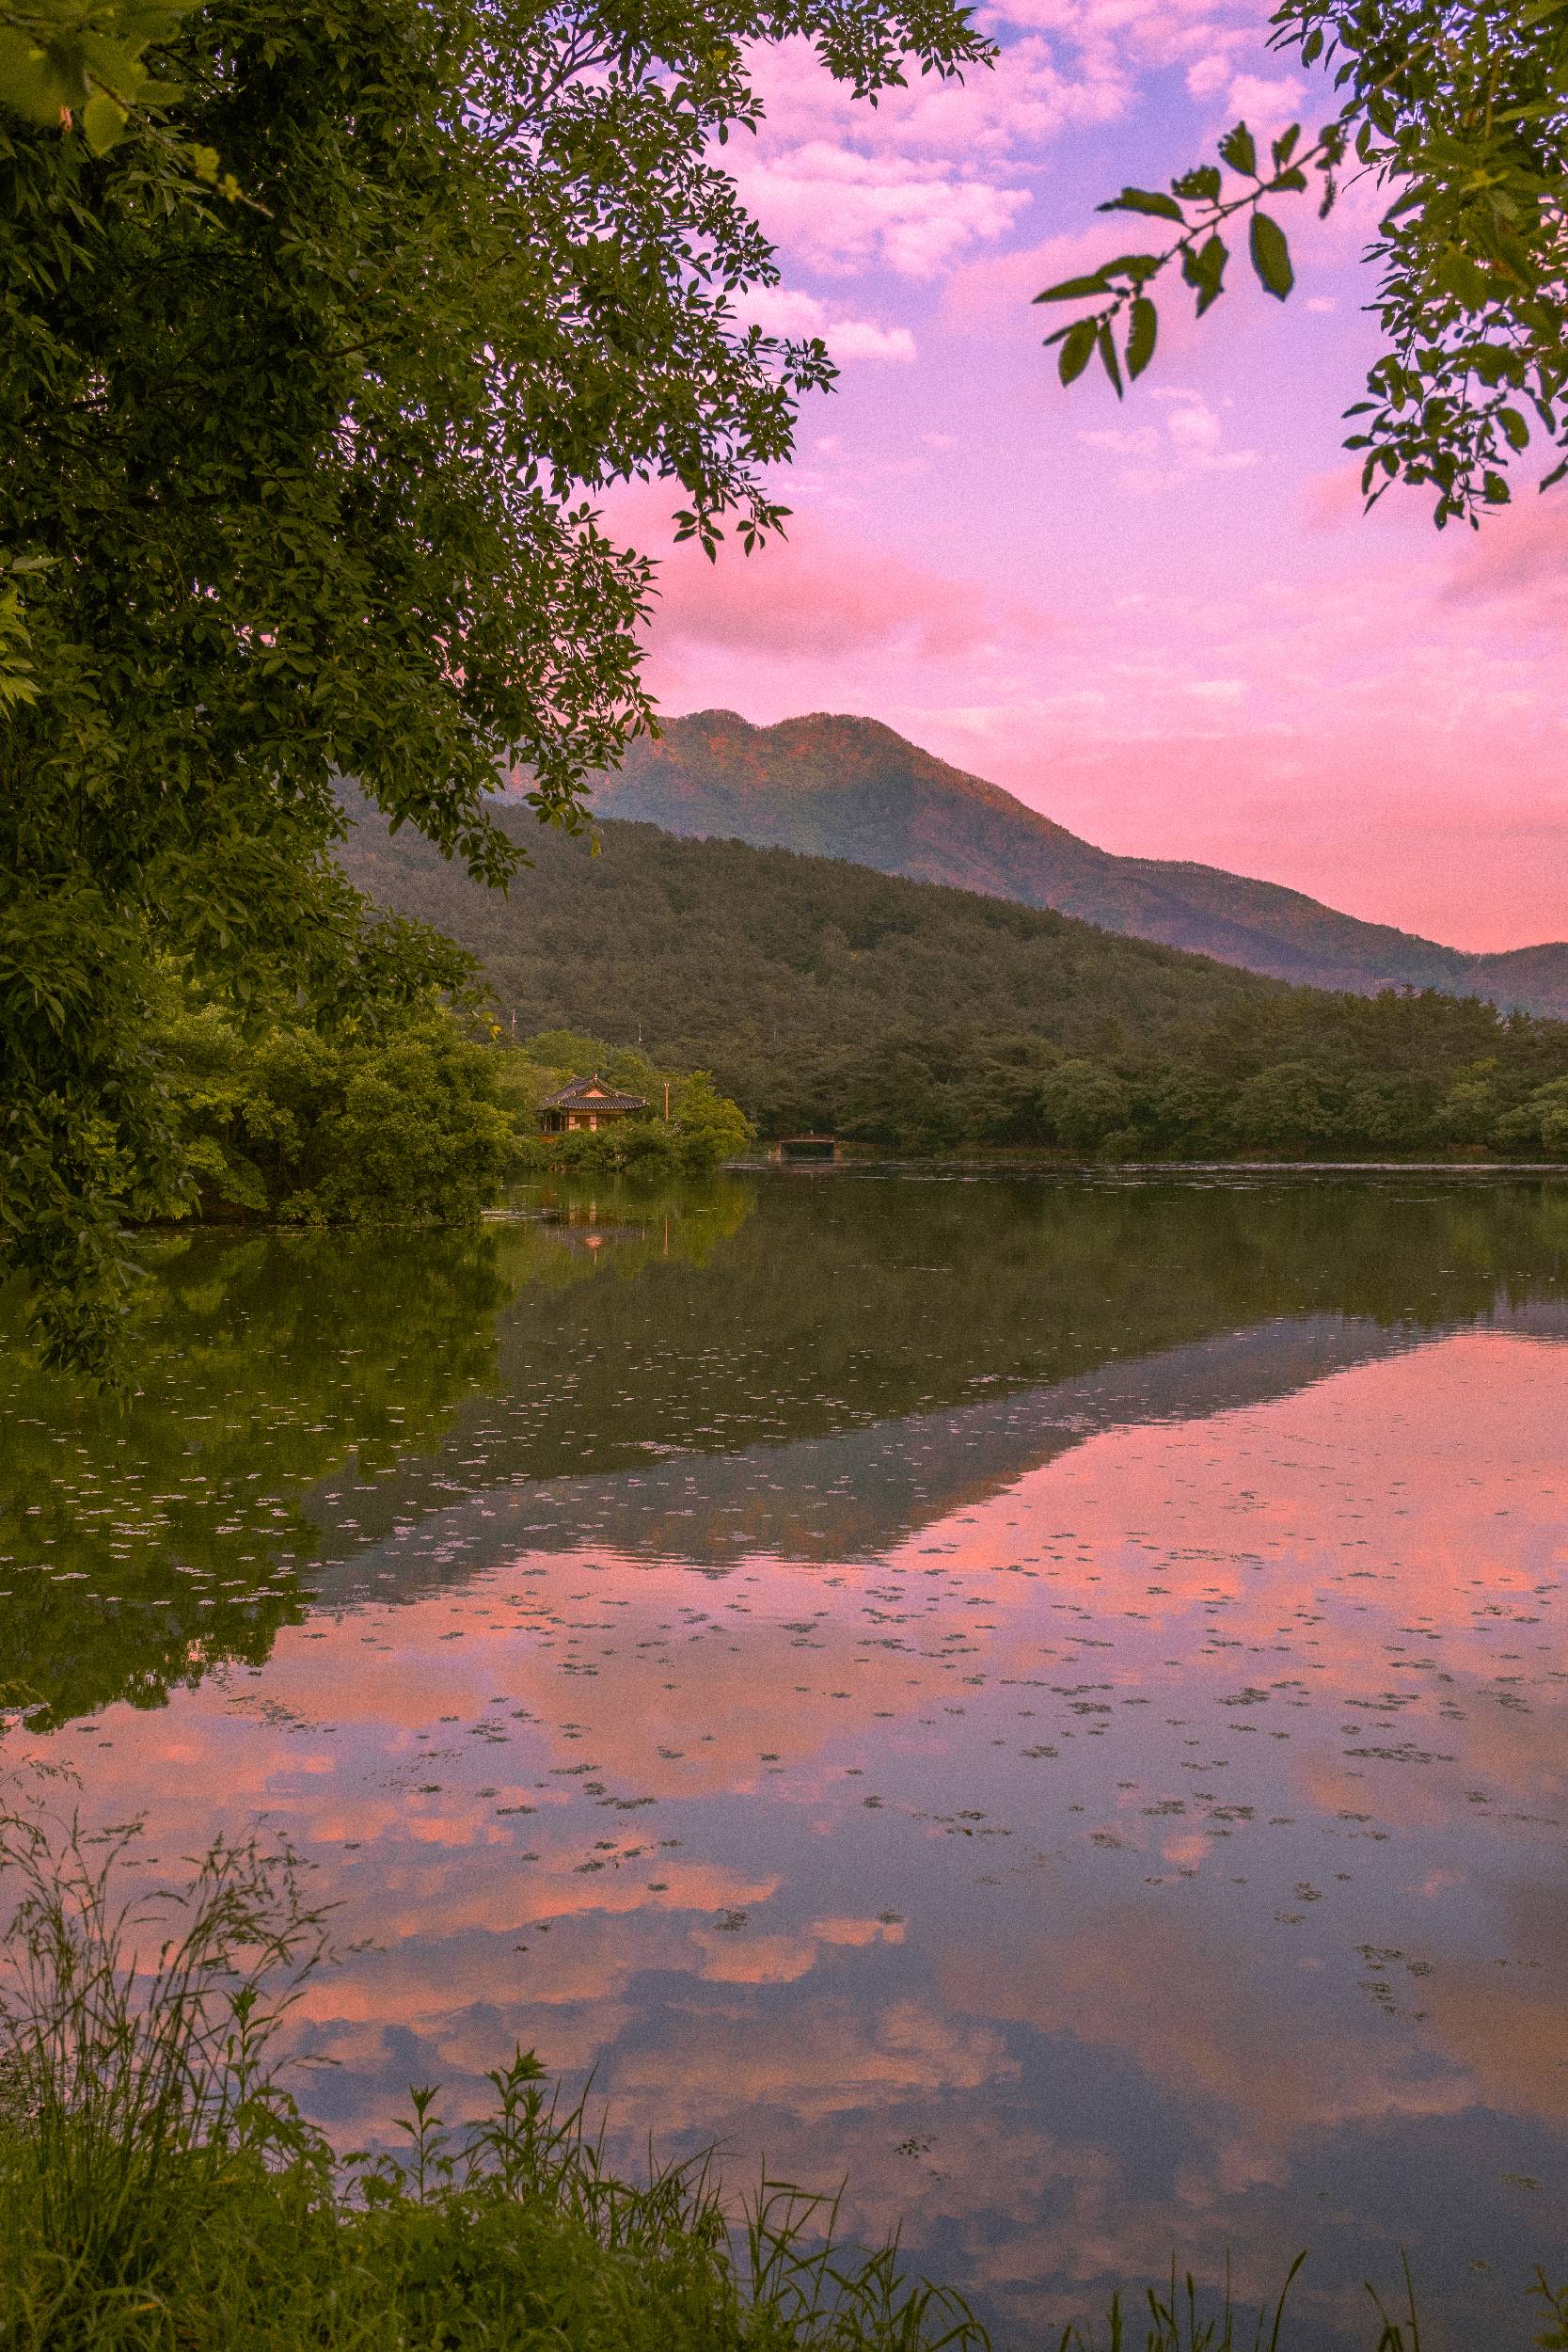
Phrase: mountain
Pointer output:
(737, 959)
(911, 1015)
(848, 787)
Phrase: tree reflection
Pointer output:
(302, 1397)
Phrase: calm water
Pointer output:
(1049, 1699)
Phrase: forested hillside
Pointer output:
(849, 787)
(821, 993)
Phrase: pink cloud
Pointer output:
(1133, 36)
(996, 295)
(1521, 558)
(1266, 103)
(1026, 98)
(818, 594)
(786, 310)
(840, 210)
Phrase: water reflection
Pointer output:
(1051, 1701)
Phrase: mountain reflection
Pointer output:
(808, 1367)
(1048, 1701)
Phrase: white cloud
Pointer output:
(1191, 443)
(784, 310)
(1266, 105)
(839, 209)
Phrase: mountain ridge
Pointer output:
(830, 784)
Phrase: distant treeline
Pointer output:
(914, 1018)
(1352, 1077)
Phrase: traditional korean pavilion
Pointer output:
(585, 1102)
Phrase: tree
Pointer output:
(1293, 1105)
(708, 1126)
(1083, 1104)
(1458, 109)
(317, 344)
(403, 1127)
(1542, 1122)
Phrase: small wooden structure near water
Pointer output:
(806, 1151)
(585, 1102)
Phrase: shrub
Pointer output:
(401, 1127)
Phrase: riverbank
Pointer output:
(161, 2188)
(1025, 1161)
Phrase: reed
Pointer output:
(161, 2191)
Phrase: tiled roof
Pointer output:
(595, 1094)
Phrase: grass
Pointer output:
(160, 2191)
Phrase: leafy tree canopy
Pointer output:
(323, 324)
(1457, 110)
(403, 1126)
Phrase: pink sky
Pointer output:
(1166, 623)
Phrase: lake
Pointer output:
(1047, 1699)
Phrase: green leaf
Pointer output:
(1495, 489)
(1458, 275)
(1240, 151)
(1271, 256)
(1514, 425)
(1108, 356)
(1203, 267)
(1075, 288)
(1141, 335)
(1285, 145)
(1077, 350)
(1203, 182)
(103, 120)
(1135, 265)
(1145, 200)
(31, 82)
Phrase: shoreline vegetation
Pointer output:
(163, 2189)
(421, 1118)
(427, 1116)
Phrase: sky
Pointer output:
(1165, 624)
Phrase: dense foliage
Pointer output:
(1457, 110)
(295, 482)
(400, 1126)
(916, 1018)
(411, 1120)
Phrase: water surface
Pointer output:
(1048, 1699)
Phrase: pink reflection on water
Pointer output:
(1229, 1754)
